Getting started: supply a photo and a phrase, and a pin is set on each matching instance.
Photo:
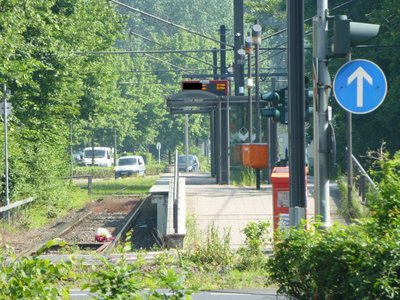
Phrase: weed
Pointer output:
(251, 256)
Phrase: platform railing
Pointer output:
(362, 182)
(15, 208)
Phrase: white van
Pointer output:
(130, 165)
(103, 156)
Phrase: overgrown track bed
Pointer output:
(111, 213)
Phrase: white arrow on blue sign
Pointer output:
(360, 86)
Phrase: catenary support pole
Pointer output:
(296, 107)
(322, 88)
(224, 114)
(256, 34)
(249, 52)
(238, 13)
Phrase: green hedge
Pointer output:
(360, 261)
(96, 172)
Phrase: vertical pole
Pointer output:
(6, 150)
(92, 147)
(322, 86)
(296, 107)
(349, 161)
(215, 63)
(90, 184)
(349, 136)
(213, 141)
(273, 137)
(219, 139)
(256, 32)
(187, 141)
(70, 148)
(249, 52)
(238, 28)
(115, 146)
(224, 118)
(222, 32)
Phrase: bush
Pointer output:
(360, 261)
(32, 278)
(96, 172)
(122, 280)
(251, 256)
(154, 168)
(211, 252)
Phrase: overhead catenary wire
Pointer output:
(306, 20)
(169, 48)
(169, 22)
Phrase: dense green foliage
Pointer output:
(62, 90)
(360, 261)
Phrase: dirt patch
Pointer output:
(111, 205)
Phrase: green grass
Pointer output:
(41, 214)
(121, 186)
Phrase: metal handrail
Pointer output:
(362, 182)
(15, 204)
(363, 172)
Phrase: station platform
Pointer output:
(231, 207)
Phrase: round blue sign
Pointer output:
(360, 86)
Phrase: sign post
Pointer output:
(158, 146)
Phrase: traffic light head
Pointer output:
(270, 112)
(272, 97)
(347, 34)
(308, 97)
(277, 108)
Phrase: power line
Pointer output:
(306, 20)
(169, 48)
(150, 51)
(163, 61)
(168, 22)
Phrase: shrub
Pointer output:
(32, 278)
(154, 168)
(96, 172)
(251, 256)
(122, 280)
(211, 253)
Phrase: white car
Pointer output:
(97, 156)
(130, 165)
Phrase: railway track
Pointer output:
(116, 214)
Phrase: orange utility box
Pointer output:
(246, 154)
(255, 155)
(280, 194)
